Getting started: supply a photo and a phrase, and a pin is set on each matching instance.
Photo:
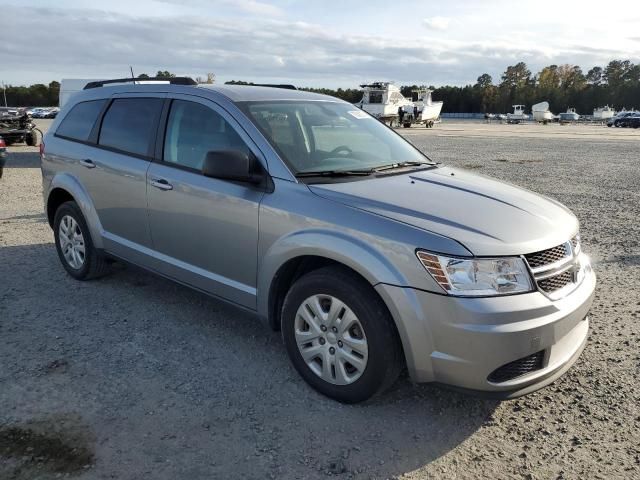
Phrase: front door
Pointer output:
(204, 231)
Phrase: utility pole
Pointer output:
(4, 92)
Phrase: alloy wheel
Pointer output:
(331, 339)
(71, 242)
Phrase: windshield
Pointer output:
(321, 136)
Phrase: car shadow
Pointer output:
(18, 158)
(33, 218)
(217, 378)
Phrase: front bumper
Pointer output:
(461, 341)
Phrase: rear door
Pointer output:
(115, 172)
(204, 230)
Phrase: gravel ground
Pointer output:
(132, 376)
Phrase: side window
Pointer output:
(129, 124)
(193, 130)
(78, 123)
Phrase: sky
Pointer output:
(312, 43)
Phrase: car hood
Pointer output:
(487, 216)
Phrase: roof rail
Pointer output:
(280, 85)
(171, 80)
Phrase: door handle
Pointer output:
(161, 183)
(87, 163)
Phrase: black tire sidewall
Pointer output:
(374, 317)
(72, 209)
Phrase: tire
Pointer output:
(31, 139)
(373, 325)
(406, 124)
(93, 264)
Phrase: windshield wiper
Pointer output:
(363, 172)
(335, 173)
(392, 166)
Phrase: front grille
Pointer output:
(552, 268)
(546, 257)
(517, 368)
(552, 284)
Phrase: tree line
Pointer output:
(563, 86)
(617, 85)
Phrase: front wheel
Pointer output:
(340, 336)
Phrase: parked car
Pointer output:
(620, 120)
(51, 113)
(37, 112)
(633, 122)
(327, 224)
(3, 155)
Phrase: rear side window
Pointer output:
(78, 123)
(193, 130)
(129, 124)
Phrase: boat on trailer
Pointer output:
(541, 112)
(384, 101)
(428, 110)
(518, 115)
(569, 116)
(603, 113)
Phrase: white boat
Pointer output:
(569, 116)
(383, 100)
(518, 115)
(541, 112)
(429, 111)
(603, 113)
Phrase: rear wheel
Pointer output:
(340, 336)
(73, 241)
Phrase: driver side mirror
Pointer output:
(235, 165)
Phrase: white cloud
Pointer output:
(436, 23)
(264, 49)
(257, 8)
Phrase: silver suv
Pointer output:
(328, 225)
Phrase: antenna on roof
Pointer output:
(132, 76)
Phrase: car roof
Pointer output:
(249, 93)
(233, 93)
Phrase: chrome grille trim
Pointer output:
(555, 270)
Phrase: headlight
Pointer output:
(477, 277)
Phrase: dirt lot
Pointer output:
(134, 377)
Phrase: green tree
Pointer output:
(165, 74)
(548, 78)
(594, 76)
(516, 76)
(484, 81)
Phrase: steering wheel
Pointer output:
(341, 148)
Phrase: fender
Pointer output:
(372, 265)
(70, 184)
(334, 245)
